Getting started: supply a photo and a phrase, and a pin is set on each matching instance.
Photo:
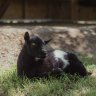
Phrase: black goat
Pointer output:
(33, 61)
(30, 57)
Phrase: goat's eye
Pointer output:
(33, 44)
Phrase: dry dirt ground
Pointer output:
(76, 39)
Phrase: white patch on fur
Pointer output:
(60, 55)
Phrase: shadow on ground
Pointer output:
(81, 40)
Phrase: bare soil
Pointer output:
(76, 39)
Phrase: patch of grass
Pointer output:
(66, 85)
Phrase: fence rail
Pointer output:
(45, 22)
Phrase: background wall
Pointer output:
(46, 9)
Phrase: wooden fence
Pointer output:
(47, 9)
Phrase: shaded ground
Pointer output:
(80, 40)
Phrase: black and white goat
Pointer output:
(33, 61)
(66, 62)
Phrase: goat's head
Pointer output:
(35, 45)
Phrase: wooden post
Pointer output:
(23, 9)
(74, 10)
(3, 7)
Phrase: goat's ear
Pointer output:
(47, 41)
(26, 36)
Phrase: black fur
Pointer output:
(30, 57)
(76, 66)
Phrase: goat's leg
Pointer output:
(56, 71)
(76, 66)
(58, 66)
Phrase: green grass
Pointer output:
(66, 85)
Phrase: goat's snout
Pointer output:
(43, 53)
